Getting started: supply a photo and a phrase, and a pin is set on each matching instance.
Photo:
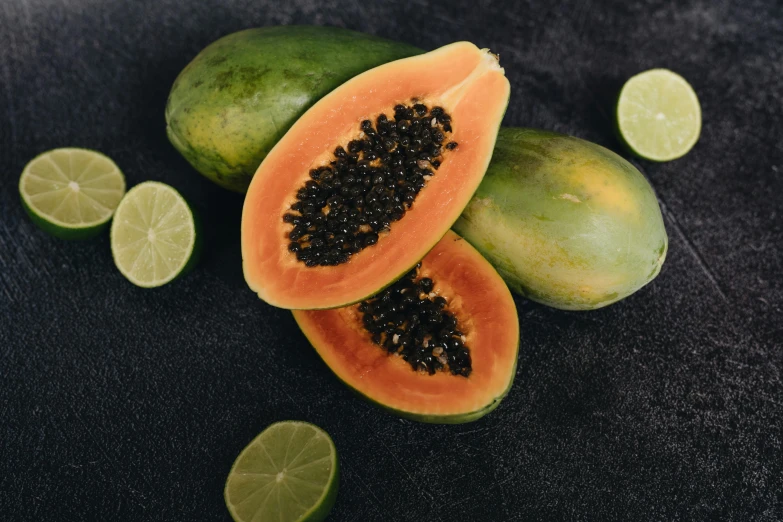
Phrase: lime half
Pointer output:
(153, 235)
(71, 193)
(658, 115)
(288, 473)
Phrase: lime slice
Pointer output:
(71, 193)
(153, 235)
(658, 115)
(288, 473)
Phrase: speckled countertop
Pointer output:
(118, 403)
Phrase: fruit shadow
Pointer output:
(218, 209)
(600, 113)
(564, 369)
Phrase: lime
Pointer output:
(288, 473)
(71, 193)
(658, 115)
(153, 235)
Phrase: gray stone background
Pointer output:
(118, 403)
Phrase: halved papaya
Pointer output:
(396, 151)
(439, 345)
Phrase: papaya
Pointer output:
(440, 345)
(235, 100)
(239, 96)
(396, 151)
(565, 222)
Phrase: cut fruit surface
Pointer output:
(71, 193)
(429, 368)
(153, 235)
(463, 92)
(658, 115)
(289, 473)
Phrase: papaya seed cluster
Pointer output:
(348, 204)
(411, 320)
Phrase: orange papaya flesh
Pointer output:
(466, 82)
(486, 317)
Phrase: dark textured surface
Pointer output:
(118, 403)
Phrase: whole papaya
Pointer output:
(565, 222)
(232, 103)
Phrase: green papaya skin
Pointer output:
(566, 222)
(240, 95)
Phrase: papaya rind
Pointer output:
(232, 103)
(526, 219)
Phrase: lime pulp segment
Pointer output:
(153, 235)
(71, 192)
(658, 115)
(287, 473)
